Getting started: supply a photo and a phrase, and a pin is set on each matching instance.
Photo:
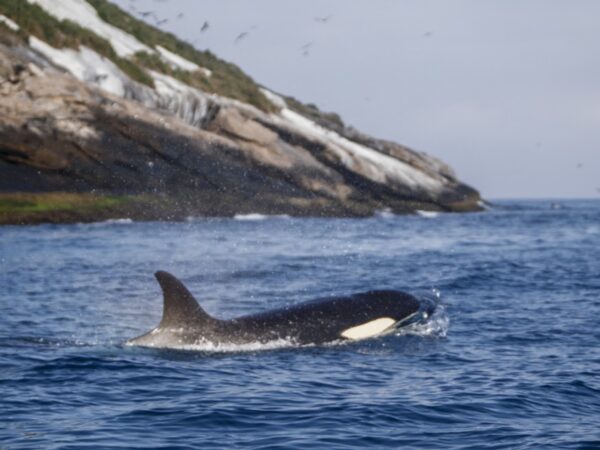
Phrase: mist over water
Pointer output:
(510, 360)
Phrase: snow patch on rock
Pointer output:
(177, 62)
(374, 165)
(169, 94)
(359, 158)
(275, 99)
(86, 65)
(9, 23)
(84, 14)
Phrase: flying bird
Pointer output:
(163, 21)
(305, 48)
(324, 19)
(428, 34)
(240, 37)
(205, 26)
(180, 16)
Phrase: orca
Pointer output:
(359, 316)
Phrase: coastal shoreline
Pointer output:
(65, 207)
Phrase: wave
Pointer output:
(17, 341)
(485, 205)
(385, 213)
(121, 221)
(427, 214)
(257, 216)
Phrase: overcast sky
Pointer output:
(506, 91)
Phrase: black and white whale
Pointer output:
(355, 317)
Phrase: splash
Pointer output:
(212, 347)
(434, 325)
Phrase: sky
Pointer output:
(505, 91)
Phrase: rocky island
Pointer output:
(104, 116)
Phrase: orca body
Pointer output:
(355, 317)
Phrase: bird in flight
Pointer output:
(205, 26)
(306, 48)
(240, 36)
(146, 13)
(244, 34)
(324, 19)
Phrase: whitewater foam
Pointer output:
(121, 221)
(256, 216)
(212, 347)
(427, 214)
(385, 213)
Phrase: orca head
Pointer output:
(388, 310)
(183, 320)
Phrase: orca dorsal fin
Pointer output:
(180, 308)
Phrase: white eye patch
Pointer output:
(369, 329)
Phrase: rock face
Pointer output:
(201, 154)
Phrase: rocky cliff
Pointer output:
(105, 105)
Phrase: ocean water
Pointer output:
(511, 359)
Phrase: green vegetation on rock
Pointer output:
(56, 201)
(33, 20)
(227, 79)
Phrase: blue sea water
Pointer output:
(510, 360)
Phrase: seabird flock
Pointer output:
(158, 21)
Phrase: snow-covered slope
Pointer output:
(86, 65)
(82, 13)
(375, 165)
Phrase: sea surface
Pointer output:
(511, 358)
